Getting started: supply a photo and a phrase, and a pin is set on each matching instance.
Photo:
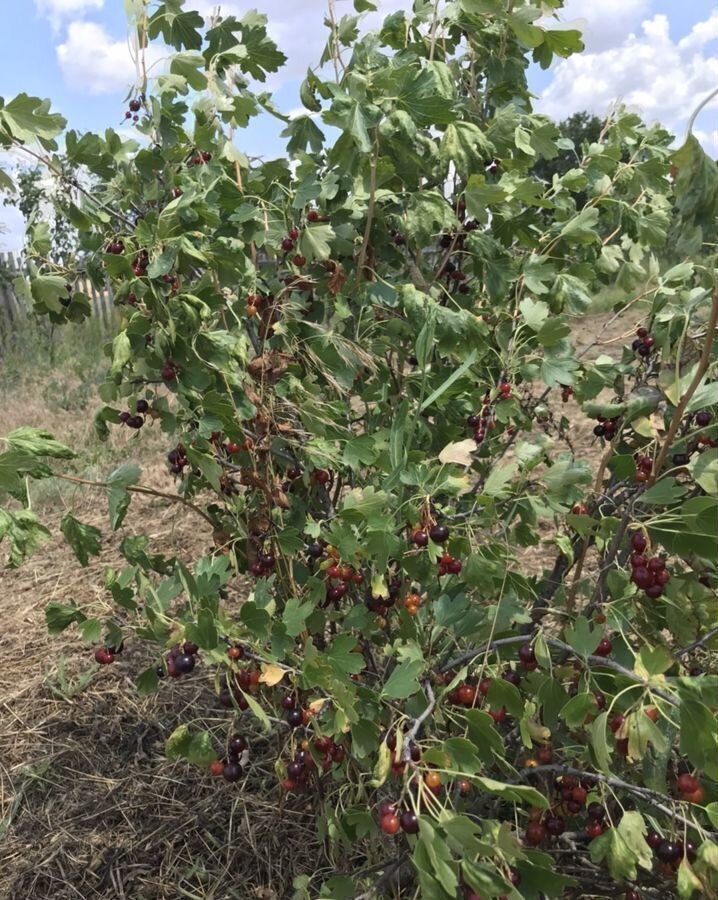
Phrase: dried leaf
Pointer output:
(459, 452)
(272, 675)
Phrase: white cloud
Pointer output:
(56, 11)
(662, 80)
(94, 62)
(603, 23)
(298, 27)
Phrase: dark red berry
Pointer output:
(409, 822)
(420, 538)
(232, 771)
(668, 851)
(439, 534)
(604, 648)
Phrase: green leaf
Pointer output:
(85, 540)
(599, 742)
(118, 497)
(534, 312)
(59, 616)
(360, 451)
(27, 118)
(295, 615)
(455, 375)
(514, 792)
(315, 241)
(704, 470)
(520, 23)
(699, 736)
(581, 229)
(147, 681)
(207, 465)
(180, 29)
(497, 484)
(581, 636)
(404, 680)
(38, 442)
(177, 744)
(121, 353)
(188, 65)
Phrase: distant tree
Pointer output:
(32, 199)
(582, 128)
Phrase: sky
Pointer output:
(660, 57)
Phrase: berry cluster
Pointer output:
(251, 310)
(670, 852)
(140, 264)
(263, 565)
(392, 822)
(181, 660)
(471, 694)
(644, 467)
(439, 534)
(133, 108)
(607, 428)
(135, 420)
(412, 602)
(381, 605)
(288, 243)
(338, 580)
(105, 656)
(177, 459)
(201, 158)
(115, 248)
(232, 448)
(505, 392)
(231, 768)
(650, 574)
(483, 421)
(246, 680)
(643, 344)
(689, 788)
(300, 768)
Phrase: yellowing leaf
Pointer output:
(272, 675)
(317, 705)
(458, 452)
(539, 732)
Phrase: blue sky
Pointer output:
(659, 56)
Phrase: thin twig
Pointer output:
(701, 642)
(654, 798)
(369, 211)
(137, 489)
(411, 734)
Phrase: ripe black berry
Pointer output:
(185, 663)
(668, 851)
(232, 771)
(294, 718)
(439, 534)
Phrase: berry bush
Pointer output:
(361, 357)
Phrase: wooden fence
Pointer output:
(14, 311)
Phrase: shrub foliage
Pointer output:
(361, 355)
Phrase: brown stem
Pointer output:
(703, 364)
(369, 211)
(138, 489)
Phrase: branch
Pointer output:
(369, 211)
(590, 660)
(411, 734)
(701, 642)
(694, 115)
(139, 489)
(654, 798)
(703, 364)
